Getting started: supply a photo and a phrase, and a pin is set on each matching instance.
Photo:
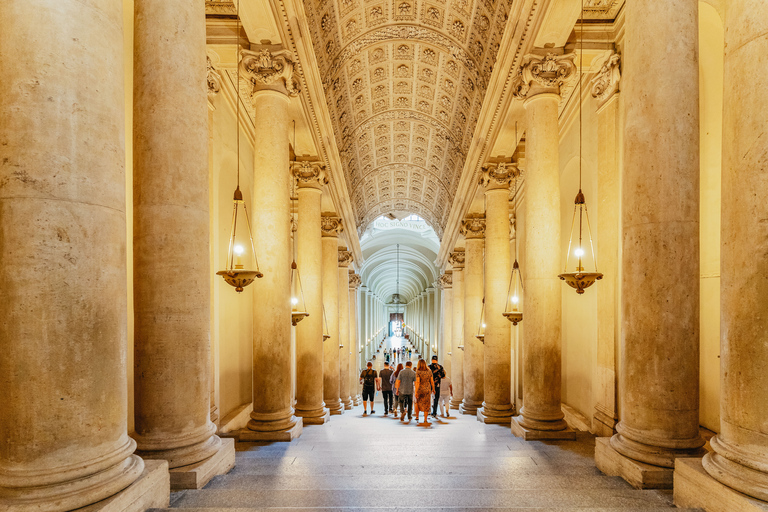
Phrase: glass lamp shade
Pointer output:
(298, 307)
(512, 311)
(579, 279)
(481, 328)
(235, 274)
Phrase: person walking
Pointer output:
(404, 388)
(392, 380)
(386, 388)
(446, 392)
(438, 372)
(368, 380)
(425, 386)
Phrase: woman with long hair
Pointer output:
(392, 380)
(424, 387)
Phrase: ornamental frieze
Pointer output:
(309, 174)
(457, 258)
(606, 83)
(345, 257)
(544, 73)
(498, 175)
(268, 70)
(473, 226)
(331, 225)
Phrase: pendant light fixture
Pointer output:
(298, 305)
(325, 325)
(235, 273)
(481, 328)
(512, 311)
(579, 279)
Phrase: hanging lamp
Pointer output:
(325, 326)
(481, 328)
(298, 304)
(512, 311)
(235, 273)
(580, 279)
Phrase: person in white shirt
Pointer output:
(446, 392)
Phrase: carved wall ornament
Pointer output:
(331, 225)
(498, 175)
(220, 7)
(546, 73)
(270, 70)
(606, 83)
(354, 280)
(445, 281)
(473, 226)
(345, 257)
(309, 174)
(457, 258)
(213, 79)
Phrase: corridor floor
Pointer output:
(378, 463)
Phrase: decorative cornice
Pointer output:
(220, 7)
(354, 280)
(267, 70)
(213, 79)
(457, 258)
(498, 175)
(309, 174)
(606, 83)
(473, 226)
(544, 73)
(331, 225)
(345, 257)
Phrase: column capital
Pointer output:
(345, 256)
(473, 226)
(457, 258)
(309, 174)
(606, 83)
(331, 225)
(354, 280)
(213, 78)
(445, 281)
(268, 70)
(544, 74)
(496, 176)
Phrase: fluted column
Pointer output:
(63, 438)
(345, 258)
(497, 407)
(541, 416)
(446, 318)
(273, 417)
(659, 385)
(331, 228)
(456, 260)
(738, 464)
(354, 339)
(473, 228)
(309, 332)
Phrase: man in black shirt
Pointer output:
(386, 388)
(437, 373)
(368, 380)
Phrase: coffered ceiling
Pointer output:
(404, 82)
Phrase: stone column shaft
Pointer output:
(457, 354)
(446, 317)
(63, 432)
(331, 363)
(309, 332)
(344, 339)
(474, 228)
(354, 339)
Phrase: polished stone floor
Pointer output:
(379, 463)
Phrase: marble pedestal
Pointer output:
(196, 476)
(694, 488)
(317, 420)
(280, 436)
(150, 490)
(638, 474)
(528, 434)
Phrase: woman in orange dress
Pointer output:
(424, 387)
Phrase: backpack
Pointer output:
(369, 380)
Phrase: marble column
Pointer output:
(429, 301)
(331, 228)
(497, 407)
(63, 430)
(473, 228)
(541, 416)
(605, 87)
(309, 332)
(171, 234)
(354, 339)
(456, 259)
(659, 384)
(446, 318)
(345, 258)
(735, 473)
(273, 417)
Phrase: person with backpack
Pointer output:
(368, 380)
(385, 386)
(438, 373)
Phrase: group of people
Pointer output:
(394, 354)
(408, 389)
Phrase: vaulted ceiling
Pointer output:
(404, 82)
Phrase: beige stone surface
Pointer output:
(740, 458)
(344, 357)
(150, 490)
(659, 385)
(542, 356)
(457, 354)
(309, 332)
(196, 476)
(272, 401)
(354, 339)
(473, 304)
(331, 364)
(63, 439)
(695, 488)
(637, 474)
(171, 237)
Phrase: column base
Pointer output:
(456, 403)
(530, 434)
(278, 436)
(603, 425)
(469, 407)
(495, 415)
(151, 490)
(196, 476)
(357, 400)
(315, 420)
(695, 488)
(348, 403)
(335, 407)
(638, 474)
